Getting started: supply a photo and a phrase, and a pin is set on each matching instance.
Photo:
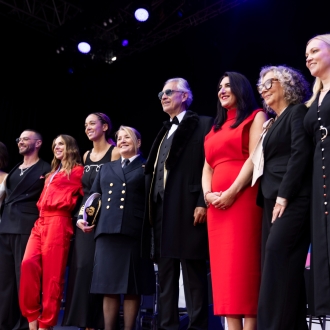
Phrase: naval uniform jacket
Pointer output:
(183, 191)
(123, 198)
(19, 209)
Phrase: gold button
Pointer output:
(124, 184)
(109, 199)
(111, 184)
(108, 206)
(123, 191)
(110, 191)
(121, 206)
(122, 199)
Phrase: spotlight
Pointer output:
(84, 47)
(124, 43)
(141, 14)
(113, 58)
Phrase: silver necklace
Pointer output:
(23, 170)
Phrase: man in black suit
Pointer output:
(176, 209)
(18, 214)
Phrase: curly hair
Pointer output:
(4, 157)
(294, 84)
(317, 86)
(71, 155)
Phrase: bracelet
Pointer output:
(206, 202)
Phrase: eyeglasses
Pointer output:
(168, 92)
(266, 85)
(25, 139)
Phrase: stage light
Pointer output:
(113, 58)
(124, 43)
(141, 14)
(84, 47)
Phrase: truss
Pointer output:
(202, 16)
(45, 15)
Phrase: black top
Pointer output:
(90, 171)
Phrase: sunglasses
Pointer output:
(168, 92)
(266, 85)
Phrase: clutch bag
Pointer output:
(91, 209)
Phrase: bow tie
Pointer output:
(168, 124)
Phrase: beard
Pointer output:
(26, 150)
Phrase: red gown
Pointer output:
(235, 233)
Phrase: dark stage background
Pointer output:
(39, 92)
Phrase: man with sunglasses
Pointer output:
(176, 210)
(18, 214)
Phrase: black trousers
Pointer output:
(282, 299)
(194, 274)
(12, 248)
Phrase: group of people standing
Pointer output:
(241, 190)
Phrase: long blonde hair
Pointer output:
(317, 82)
(71, 155)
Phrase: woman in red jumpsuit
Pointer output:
(45, 258)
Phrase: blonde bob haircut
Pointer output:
(133, 134)
(317, 82)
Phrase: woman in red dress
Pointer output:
(233, 218)
(45, 258)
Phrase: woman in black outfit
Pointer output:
(83, 309)
(285, 187)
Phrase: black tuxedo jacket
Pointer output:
(288, 156)
(123, 198)
(183, 190)
(19, 209)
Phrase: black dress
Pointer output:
(319, 295)
(83, 309)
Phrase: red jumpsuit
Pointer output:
(45, 258)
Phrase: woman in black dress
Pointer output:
(317, 124)
(83, 309)
(118, 268)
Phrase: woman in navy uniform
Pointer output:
(118, 267)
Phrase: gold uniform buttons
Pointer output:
(109, 199)
(122, 199)
(123, 191)
(111, 184)
(110, 191)
(124, 184)
(121, 206)
(108, 206)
